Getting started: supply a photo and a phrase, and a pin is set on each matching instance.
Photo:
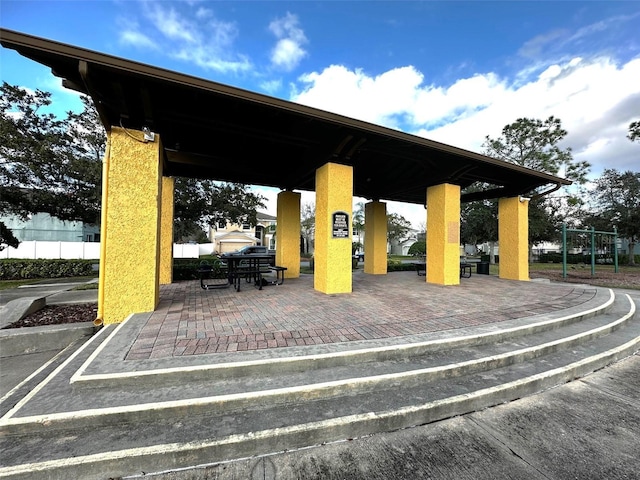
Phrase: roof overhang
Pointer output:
(215, 131)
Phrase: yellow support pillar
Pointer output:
(332, 253)
(513, 238)
(375, 238)
(443, 234)
(288, 233)
(131, 203)
(166, 232)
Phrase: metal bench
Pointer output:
(279, 273)
(465, 270)
(213, 276)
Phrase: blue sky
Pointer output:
(451, 71)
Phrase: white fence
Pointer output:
(89, 250)
(191, 250)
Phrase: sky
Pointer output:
(451, 71)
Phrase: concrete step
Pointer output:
(85, 432)
(105, 370)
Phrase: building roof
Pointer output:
(265, 217)
(215, 131)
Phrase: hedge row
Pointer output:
(186, 268)
(19, 269)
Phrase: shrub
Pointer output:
(20, 269)
(397, 266)
(418, 248)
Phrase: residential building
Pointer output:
(44, 227)
(227, 237)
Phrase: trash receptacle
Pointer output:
(482, 268)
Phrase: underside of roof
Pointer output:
(214, 131)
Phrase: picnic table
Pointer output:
(465, 269)
(232, 270)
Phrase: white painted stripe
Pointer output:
(95, 353)
(351, 354)
(37, 285)
(51, 376)
(43, 367)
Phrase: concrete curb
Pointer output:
(19, 308)
(21, 341)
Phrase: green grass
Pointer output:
(557, 267)
(87, 286)
(7, 284)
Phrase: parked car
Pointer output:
(250, 250)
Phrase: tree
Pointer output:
(7, 239)
(479, 222)
(54, 165)
(398, 228)
(307, 225)
(634, 131)
(418, 248)
(202, 203)
(535, 144)
(618, 200)
(358, 223)
(48, 164)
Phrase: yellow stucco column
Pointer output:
(443, 234)
(375, 238)
(166, 232)
(131, 201)
(332, 253)
(288, 233)
(513, 238)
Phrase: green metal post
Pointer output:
(564, 250)
(615, 249)
(593, 252)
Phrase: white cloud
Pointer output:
(271, 86)
(171, 24)
(378, 99)
(534, 47)
(204, 58)
(137, 39)
(193, 36)
(592, 98)
(288, 51)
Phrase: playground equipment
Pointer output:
(587, 238)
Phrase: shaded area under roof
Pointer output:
(210, 130)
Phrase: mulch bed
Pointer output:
(59, 315)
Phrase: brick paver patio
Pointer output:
(192, 321)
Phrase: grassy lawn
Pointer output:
(6, 284)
